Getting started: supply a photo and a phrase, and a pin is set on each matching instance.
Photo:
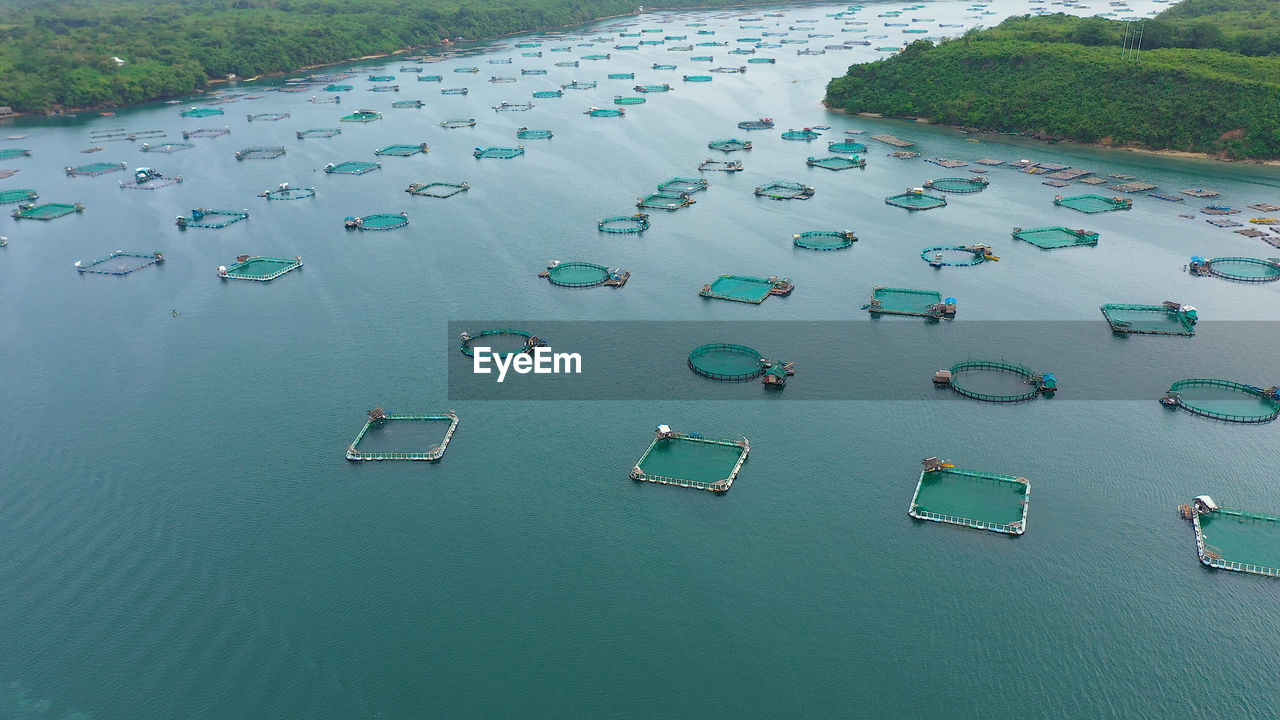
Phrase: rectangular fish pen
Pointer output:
(906, 301)
(1236, 540)
(980, 500)
(112, 265)
(740, 288)
(1167, 319)
(381, 432)
(1052, 238)
(690, 460)
(47, 211)
(260, 269)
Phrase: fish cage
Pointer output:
(729, 145)
(691, 460)
(624, 224)
(119, 263)
(779, 190)
(261, 152)
(259, 269)
(407, 104)
(745, 289)
(149, 179)
(994, 381)
(166, 147)
(605, 112)
(696, 78)
(1242, 541)
(385, 88)
(47, 211)
(1240, 269)
(383, 432)
(907, 301)
(319, 133)
(506, 341)
(703, 58)
(453, 91)
(505, 106)
(761, 124)
(199, 112)
(285, 191)
(979, 500)
(846, 147)
(740, 70)
(336, 99)
(958, 185)
(567, 63)
(17, 195)
(957, 255)
(351, 167)
(622, 76)
(361, 116)
(1093, 203)
(726, 361)
(95, 169)
(545, 94)
(605, 56)
(579, 85)
(720, 165)
(268, 117)
(501, 153)
(214, 219)
(762, 60)
(525, 133)
(665, 201)
(502, 80)
(458, 123)
(1052, 238)
(11, 153)
(824, 239)
(683, 185)
(663, 66)
(437, 189)
(664, 87)
(620, 100)
(1170, 318)
(377, 221)
(583, 275)
(805, 135)
(837, 162)
(205, 133)
(339, 88)
(402, 150)
(430, 78)
(533, 71)
(916, 199)
(466, 70)
(1224, 400)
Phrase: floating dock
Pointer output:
(824, 239)
(259, 269)
(1224, 400)
(583, 275)
(1093, 203)
(980, 500)
(1052, 238)
(746, 289)
(379, 420)
(692, 461)
(1242, 541)
(1240, 269)
(1023, 382)
(112, 265)
(906, 301)
(1168, 318)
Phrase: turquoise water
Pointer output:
(192, 544)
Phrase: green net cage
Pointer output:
(213, 219)
(205, 133)
(403, 436)
(525, 133)
(729, 145)
(605, 112)
(533, 71)
(319, 133)
(597, 56)
(1167, 319)
(430, 78)
(361, 116)
(1052, 238)
(746, 289)
(999, 382)
(583, 274)
(381, 78)
(691, 460)
(501, 153)
(624, 224)
(149, 179)
(285, 191)
(47, 211)
(958, 185)
(351, 167)
(453, 91)
(267, 117)
(1093, 203)
(762, 60)
(726, 361)
(339, 88)
(908, 301)
(259, 269)
(458, 123)
(438, 189)
(697, 78)
(404, 150)
(199, 112)
(502, 80)
(665, 201)
(119, 263)
(166, 147)
(916, 199)
(332, 100)
(664, 87)
(622, 76)
(805, 135)
(837, 162)
(1240, 269)
(545, 94)
(710, 165)
(261, 152)
(92, 169)
(824, 239)
(846, 148)
(957, 255)
(407, 104)
(683, 185)
(619, 100)
(377, 221)
(761, 124)
(779, 190)
(1239, 540)
(979, 500)
(579, 85)
(505, 106)
(502, 342)
(11, 153)
(17, 195)
(1224, 400)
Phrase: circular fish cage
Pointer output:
(264, 152)
(518, 340)
(9, 197)
(824, 239)
(459, 123)
(319, 133)
(1224, 400)
(697, 78)
(805, 135)
(545, 94)
(620, 100)
(726, 361)
(605, 112)
(958, 184)
(1241, 269)
(785, 191)
(287, 192)
(624, 224)
(527, 134)
(378, 221)
(1000, 382)
(957, 255)
(437, 189)
(836, 162)
(729, 145)
(577, 274)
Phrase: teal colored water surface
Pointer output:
(193, 544)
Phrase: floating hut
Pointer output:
(503, 153)
(958, 185)
(378, 420)
(746, 289)
(113, 265)
(402, 150)
(824, 239)
(1093, 203)
(206, 218)
(729, 145)
(780, 190)
(1242, 541)
(285, 191)
(1224, 400)
(1241, 269)
(437, 189)
(1052, 238)
(980, 500)
(690, 460)
(258, 268)
(1168, 318)
(377, 221)
(836, 162)
(906, 301)
(583, 275)
(527, 341)
(1016, 383)
(957, 255)
(916, 199)
(351, 167)
(624, 224)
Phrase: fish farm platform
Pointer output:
(690, 460)
(994, 381)
(1150, 319)
(583, 275)
(906, 301)
(112, 265)
(980, 500)
(1224, 400)
(1052, 238)
(726, 361)
(259, 269)
(824, 239)
(916, 200)
(380, 429)
(1238, 540)
(1240, 269)
(739, 288)
(47, 211)
(1093, 203)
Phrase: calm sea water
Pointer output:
(180, 535)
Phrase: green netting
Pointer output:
(325, 101)
(957, 255)
(362, 116)
(339, 88)
(665, 201)
(260, 269)
(846, 147)
(761, 61)
(1051, 238)
(567, 63)
(467, 70)
(512, 107)
(628, 100)
(201, 112)
(621, 224)
(906, 301)
(691, 461)
(622, 76)
(502, 153)
(605, 56)
(11, 153)
(1148, 319)
(437, 189)
(403, 437)
(958, 185)
(9, 197)
(285, 192)
(729, 145)
(385, 88)
(206, 218)
(98, 168)
(352, 167)
(761, 124)
(378, 221)
(1240, 268)
(453, 91)
(740, 288)
(664, 87)
(605, 112)
(1093, 203)
(697, 78)
(720, 165)
(527, 134)
(270, 117)
(503, 342)
(502, 80)
(166, 147)
(577, 274)
(683, 185)
(836, 162)
(148, 179)
(548, 94)
(806, 135)
(407, 104)
(1225, 400)
(533, 71)
(457, 123)
(402, 150)
(47, 211)
(702, 58)
(1241, 540)
(1000, 382)
(579, 85)
(986, 501)
(824, 239)
(725, 361)
(916, 200)
(430, 78)
(262, 152)
(205, 133)
(119, 263)
(785, 191)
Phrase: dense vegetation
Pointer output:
(58, 53)
(1205, 81)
